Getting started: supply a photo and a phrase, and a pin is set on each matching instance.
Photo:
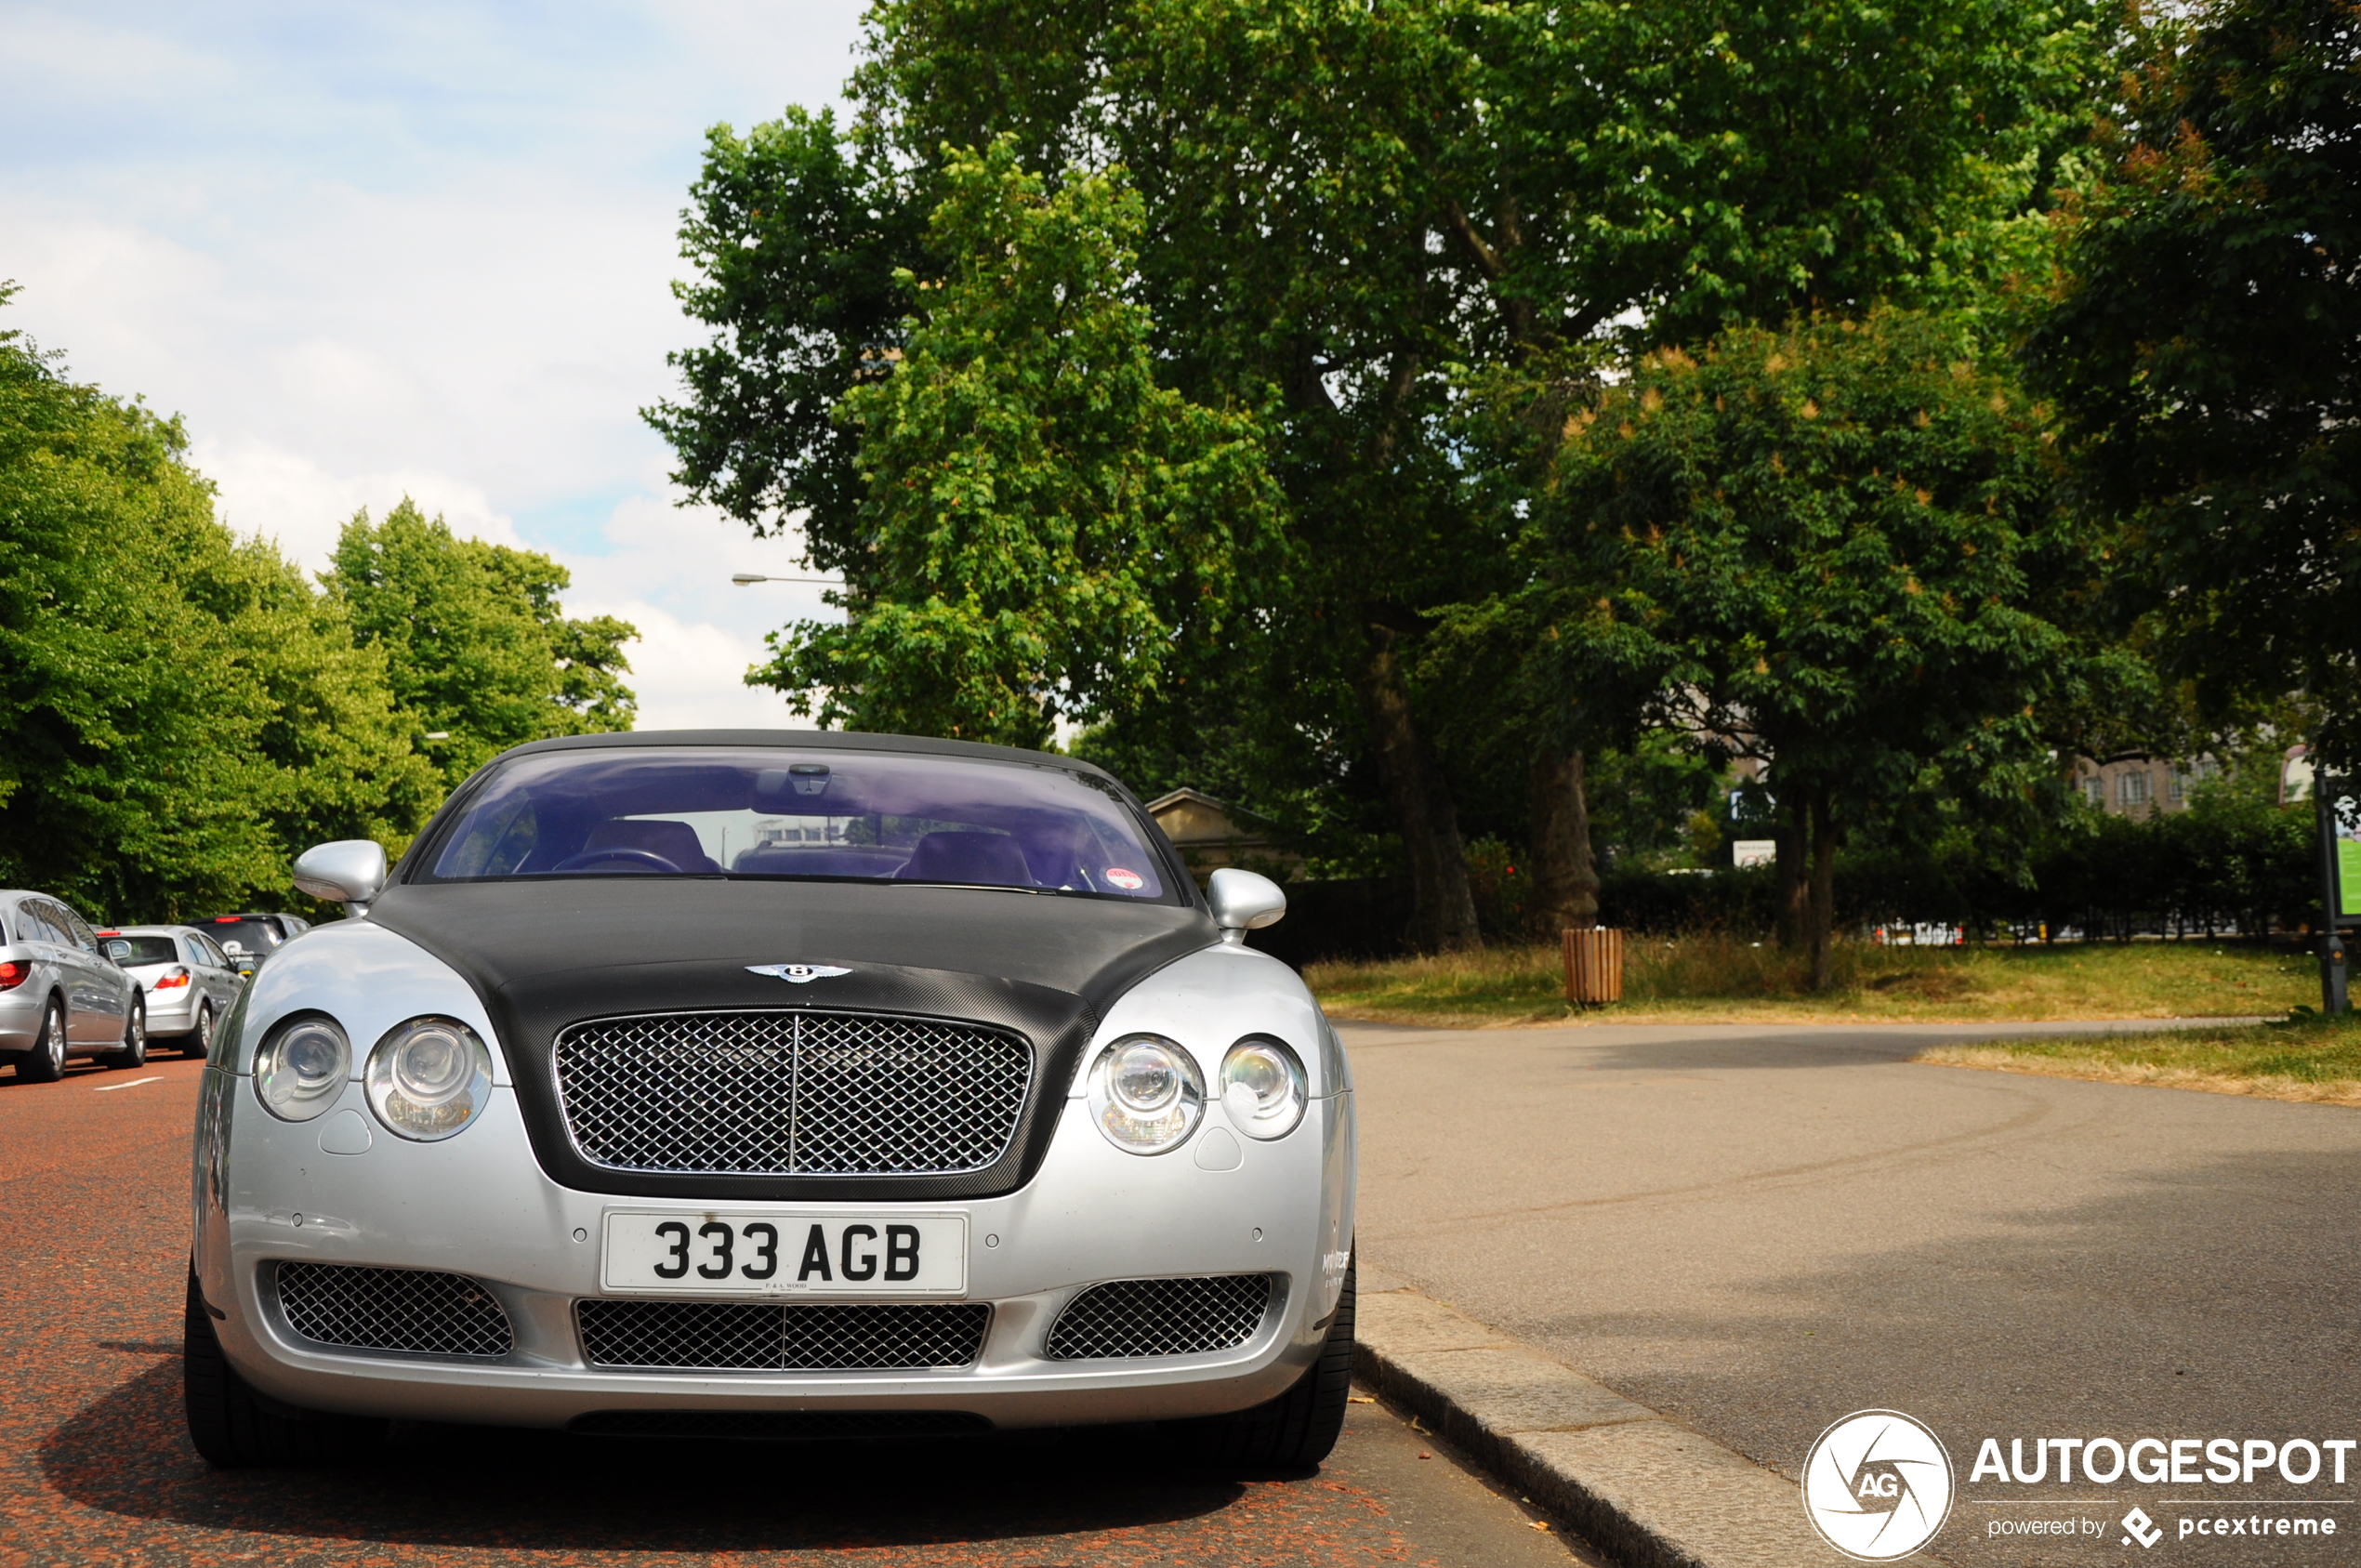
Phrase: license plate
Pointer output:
(676, 1253)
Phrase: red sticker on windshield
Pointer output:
(1127, 880)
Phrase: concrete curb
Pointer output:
(1650, 1493)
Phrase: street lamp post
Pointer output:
(743, 578)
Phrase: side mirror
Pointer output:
(1243, 902)
(117, 951)
(351, 872)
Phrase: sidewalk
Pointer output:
(1745, 1233)
(1650, 1494)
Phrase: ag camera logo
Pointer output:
(1877, 1485)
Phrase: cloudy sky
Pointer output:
(375, 249)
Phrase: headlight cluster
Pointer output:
(1262, 1088)
(1147, 1095)
(301, 1068)
(426, 1079)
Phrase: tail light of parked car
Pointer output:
(14, 973)
(171, 979)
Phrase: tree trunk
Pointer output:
(1444, 917)
(1794, 843)
(1824, 888)
(1565, 877)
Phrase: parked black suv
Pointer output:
(249, 939)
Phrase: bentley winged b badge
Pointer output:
(797, 974)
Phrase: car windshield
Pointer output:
(146, 950)
(248, 936)
(820, 815)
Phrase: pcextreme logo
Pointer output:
(1877, 1485)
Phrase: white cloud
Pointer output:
(668, 573)
(285, 497)
(415, 249)
(672, 671)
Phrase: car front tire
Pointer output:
(1298, 1428)
(134, 1051)
(234, 1428)
(45, 1062)
(197, 1044)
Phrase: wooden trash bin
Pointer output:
(1594, 966)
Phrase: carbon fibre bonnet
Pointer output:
(546, 953)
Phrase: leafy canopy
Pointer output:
(2206, 346)
(1822, 537)
(474, 640)
(1050, 531)
(1359, 205)
(795, 233)
(180, 711)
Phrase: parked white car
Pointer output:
(59, 995)
(781, 1085)
(190, 984)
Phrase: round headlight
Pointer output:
(301, 1068)
(1146, 1094)
(428, 1078)
(1262, 1088)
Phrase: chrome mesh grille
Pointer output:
(799, 1336)
(392, 1309)
(791, 1093)
(1160, 1317)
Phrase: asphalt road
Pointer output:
(94, 1466)
(1759, 1229)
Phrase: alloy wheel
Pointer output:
(134, 1049)
(45, 1062)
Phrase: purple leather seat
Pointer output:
(992, 859)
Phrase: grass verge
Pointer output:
(2309, 1057)
(1717, 978)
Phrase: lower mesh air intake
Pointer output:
(800, 1336)
(1161, 1317)
(775, 1424)
(412, 1310)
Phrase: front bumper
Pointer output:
(478, 1204)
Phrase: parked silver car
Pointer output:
(59, 995)
(190, 984)
(776, 1084)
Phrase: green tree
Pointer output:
(1828, 540)
(2203, 345)
(1049, 530)
(1353, 202)
(180, 712)
(1349, 203)
(796, 234)
(474, 640)
(342, 753)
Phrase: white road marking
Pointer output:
(108, 1088)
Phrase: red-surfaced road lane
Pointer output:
(94, 1466)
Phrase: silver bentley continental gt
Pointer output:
(774, 1083)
